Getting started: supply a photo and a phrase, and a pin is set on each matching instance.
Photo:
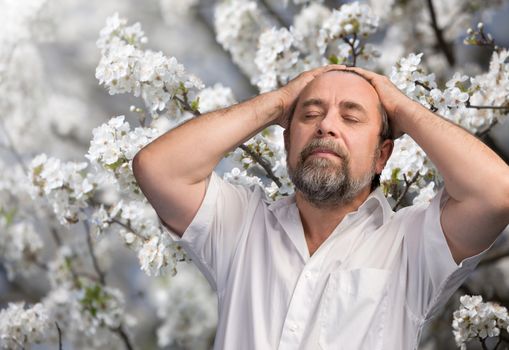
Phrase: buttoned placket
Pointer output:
(298, 314)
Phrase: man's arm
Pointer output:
(475, 177)
(172, 170)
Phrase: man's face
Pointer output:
(334, 150)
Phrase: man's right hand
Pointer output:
(291, 91)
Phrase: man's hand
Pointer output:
(396, 104)
(290, 92)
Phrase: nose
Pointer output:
(328, 125)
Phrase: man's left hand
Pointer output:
(396, 104)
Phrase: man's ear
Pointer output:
(385, 152)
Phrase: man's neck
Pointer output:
(318, 223)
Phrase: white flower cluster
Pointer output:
(241, 177)
(407, 160)
(117, 32)
(238, 25)
(215, 97)
(489, 89)
(188, 307)
(351, 22)
(306, 26)
(475, 319)
(20, 248)
(275, 58)
(174, 11)
(21, 327)
(412, 80)
(113, 147)
(266, 146)
(124, 67)
(158, 254)
(88, 314)
(64, 185)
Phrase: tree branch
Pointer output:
(263, 163)
(442, 44)
(95, 263)
(352, 46)
(123, 335)
(59, 336)
(407, 187)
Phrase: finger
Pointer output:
(365, 73)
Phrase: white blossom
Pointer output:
(238, 25)
(125, 68)
(477, 319)
(215, 97)
(275, 59)
(188, 308)
(113, 148)
(20, 248)
(20, 327)
(350, 21)
(65, 185)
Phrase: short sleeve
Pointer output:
(211, 238)
(432, 274)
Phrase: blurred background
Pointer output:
(51, 101)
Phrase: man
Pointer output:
(331, 267)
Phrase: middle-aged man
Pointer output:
(332, 266)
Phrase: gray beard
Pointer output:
(325, 184)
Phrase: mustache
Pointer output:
(323, 144)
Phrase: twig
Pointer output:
(97, 269)
(123, 335)
(264, 164)
(498, 343)
(483, 343)
(59, 336)
(352, 46)
(444, 46)
(126, 226)
(468, 105)
(55, 236)
(407, 187)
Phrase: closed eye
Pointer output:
(350, 119)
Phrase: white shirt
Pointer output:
(371, 285)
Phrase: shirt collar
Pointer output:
(375, 198)
(287, 214)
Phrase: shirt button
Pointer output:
(307, 274)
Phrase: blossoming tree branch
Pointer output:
(81, 307)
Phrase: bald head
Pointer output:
(385, 130)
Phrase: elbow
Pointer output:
(139, 165)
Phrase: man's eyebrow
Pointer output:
(312, 102)
(353, 106)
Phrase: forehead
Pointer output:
(336, 86)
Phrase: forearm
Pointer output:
(190, 152)
(470, 169)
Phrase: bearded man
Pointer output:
(331, 266)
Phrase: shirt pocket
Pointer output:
(353, 309)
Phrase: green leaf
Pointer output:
(333, 59)
(195, 105)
